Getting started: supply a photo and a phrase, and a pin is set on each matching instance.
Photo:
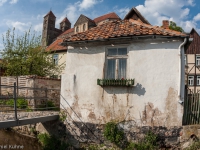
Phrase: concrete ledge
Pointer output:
(12, 123)
(190, 130)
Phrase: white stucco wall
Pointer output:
(153, 100)
(61, 61)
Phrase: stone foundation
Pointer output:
(78, 133)
(93, 133)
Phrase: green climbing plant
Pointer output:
(113, 133)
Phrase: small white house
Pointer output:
(147, 63)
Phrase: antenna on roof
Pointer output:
(50, 9)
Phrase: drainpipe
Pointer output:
(181, 72)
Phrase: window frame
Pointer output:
(84, 27)
(116, 57)
(197, 60)
(198, 76)
(54, 60)
(77, 29)
(189, 81)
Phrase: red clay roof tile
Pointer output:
(67, 32)
(111, 15)
(56, 45)
(120, 29)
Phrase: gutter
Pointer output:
(133, 37)
(181, 72)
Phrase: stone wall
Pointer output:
(79, 133)
(40, 89)
(46, 90)
(93, 133)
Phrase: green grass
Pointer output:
(51, 142)
(194, 146)
(21, 103)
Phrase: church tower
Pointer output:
(65, 25)
(48, 32)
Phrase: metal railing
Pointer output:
(35, 99)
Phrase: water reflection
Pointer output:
(11, 140)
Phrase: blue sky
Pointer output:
(23, 14)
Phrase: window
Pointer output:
(198, 80)
(116, 63)
(84, 27)
(55, 59)
(77, 29)
(198, 60)
(190, 80)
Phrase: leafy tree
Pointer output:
(23, 55)
(173, 26)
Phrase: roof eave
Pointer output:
(67, 43)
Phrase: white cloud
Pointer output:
(188, 25)
(18, 25)
(175, 10)
(73, 11)
(184, 13)
(122, 11)
(13, 1)
(2, 2)
(72, 14)
(197, 17)
(40, 16)
(191, 2)
(85, 4)
(38, 27)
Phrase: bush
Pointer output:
(149, 142)
(117, 136)
(21, 103)
(49, 104)
(51, 142)
(62, 116)
(113, 133)
(194, 146)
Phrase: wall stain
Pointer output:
(151, 115)
(92, 115)
(127, 97)
(171, 108)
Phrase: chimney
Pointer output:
(165, 24)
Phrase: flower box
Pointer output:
(115, 82)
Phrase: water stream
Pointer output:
(12, 140)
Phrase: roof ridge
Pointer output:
(88, 18)
(65, 19)
(108, 16)
(50, 13)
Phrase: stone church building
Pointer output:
(51, 34)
